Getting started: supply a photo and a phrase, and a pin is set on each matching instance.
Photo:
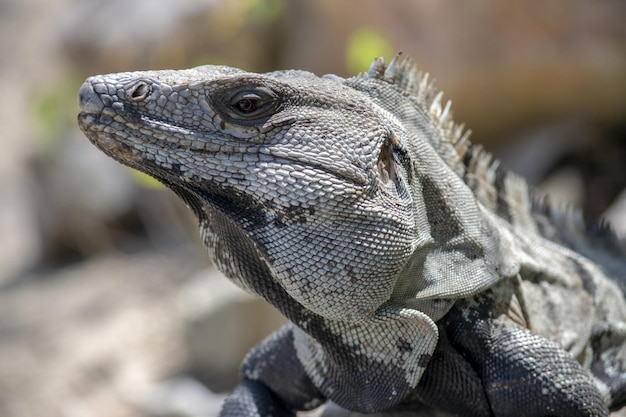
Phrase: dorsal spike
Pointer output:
(435, 106)
(392, 68)
(446, 110)
(424, 87)
(376, 68)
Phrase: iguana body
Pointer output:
(415, 270)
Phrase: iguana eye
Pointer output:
(248, 104)
(252, 104)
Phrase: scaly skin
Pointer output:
(415, 271)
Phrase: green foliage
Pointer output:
(266, 11)
(146, 181)
(53, 112)
(362, 46)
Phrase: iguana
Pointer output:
(414, 269)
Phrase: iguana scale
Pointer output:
(415, 270)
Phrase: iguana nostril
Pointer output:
(140, 91)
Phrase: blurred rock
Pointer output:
(79, 341)
(149, 34)
(332, 410)
(179, 397)
(19, 238)
(577, 164)
(186, 397)
(221, 324)
(77, 193)
(616, 214)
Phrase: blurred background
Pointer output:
(108, 303)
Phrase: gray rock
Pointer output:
(221, 324)
(333, 410)
(180, 397)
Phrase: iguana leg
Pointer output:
(608, 341)
(253, 398)
(609, 361)
(522, 373)
(274, 382)
(450, 384)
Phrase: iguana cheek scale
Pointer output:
(417, 273)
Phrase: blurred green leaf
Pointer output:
(53, 111)
(266, 11)
(146, 181)
(363, 46)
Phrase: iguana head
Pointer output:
(305, 167)
(314, 183)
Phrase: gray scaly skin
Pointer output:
(415, 271)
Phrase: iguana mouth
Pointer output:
(90, 124)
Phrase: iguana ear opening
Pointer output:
(391, 157)
(385, 163)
